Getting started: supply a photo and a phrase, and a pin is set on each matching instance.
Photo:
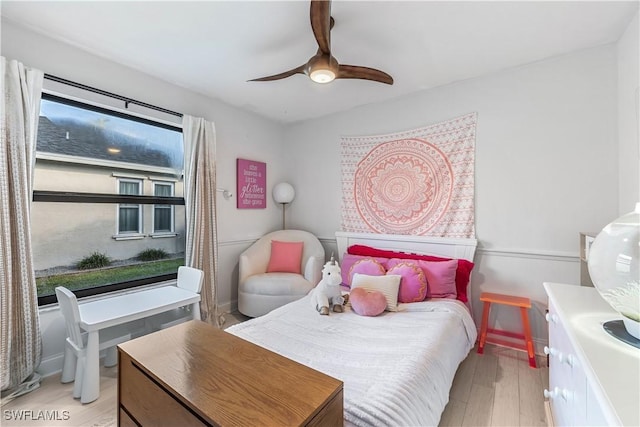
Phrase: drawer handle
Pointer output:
(551, 394)
(554, 352)
(551, 318)
(570, 359)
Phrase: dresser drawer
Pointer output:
(148, 403)
(332, 414)
(595, 382)
(560, 373)
(124, 420)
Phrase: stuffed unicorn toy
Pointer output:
(327, 294)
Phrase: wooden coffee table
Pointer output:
(195, 374)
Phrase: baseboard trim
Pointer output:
(227, 307)
(51, 365)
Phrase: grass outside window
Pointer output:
(106, 276)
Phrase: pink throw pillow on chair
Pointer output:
(286, 257)
(367, 303)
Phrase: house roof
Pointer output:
(79, 140)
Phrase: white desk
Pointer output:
(121, 309)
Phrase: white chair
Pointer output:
(191, 279)
(260, 292)
(75, 345)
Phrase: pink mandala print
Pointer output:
(413, 182)
(403, 187)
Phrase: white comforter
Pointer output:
(397, 368)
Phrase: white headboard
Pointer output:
(439, 246)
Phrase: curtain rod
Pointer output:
(126, 100)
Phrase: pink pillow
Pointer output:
(463, 273)
(441, 278)
(367, 303)
(367, 266)
(413, 285)
(347, 262)
(286, 257)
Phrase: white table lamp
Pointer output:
(283, 193)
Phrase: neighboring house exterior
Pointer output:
(89, 160)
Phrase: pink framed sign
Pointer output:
(251, 184)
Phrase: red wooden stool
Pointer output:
(524, 304)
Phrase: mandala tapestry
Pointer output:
(418, 182)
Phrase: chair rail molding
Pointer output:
(531, 253)
(507, 252)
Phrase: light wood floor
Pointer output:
(497, 388)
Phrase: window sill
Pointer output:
(128, 236)
(162, 235)
(55, 306)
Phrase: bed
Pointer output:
(397, 368)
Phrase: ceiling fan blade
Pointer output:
(366, 73)
(321, 24)
(297, 70)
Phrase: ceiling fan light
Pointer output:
(322, 75)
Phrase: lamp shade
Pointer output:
(614, 267)
(283, 193)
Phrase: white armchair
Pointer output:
(260, 292)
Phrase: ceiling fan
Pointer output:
(323, 67)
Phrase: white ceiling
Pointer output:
(214, 47)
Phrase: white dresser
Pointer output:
(594, 379)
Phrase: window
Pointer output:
(105, 182)
(130, 215)
(162, 214)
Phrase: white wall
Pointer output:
(629, 117)
(546, 165)
(239, 134)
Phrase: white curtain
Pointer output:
(21, 346)
(200, 202)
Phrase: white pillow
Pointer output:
(388, 285)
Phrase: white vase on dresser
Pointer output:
(594, 379)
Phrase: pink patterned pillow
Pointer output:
(286, 257)
(413, 285)
(367, 266)
(347, 262)
(441, 278)
(367, 303)
(463, 273)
